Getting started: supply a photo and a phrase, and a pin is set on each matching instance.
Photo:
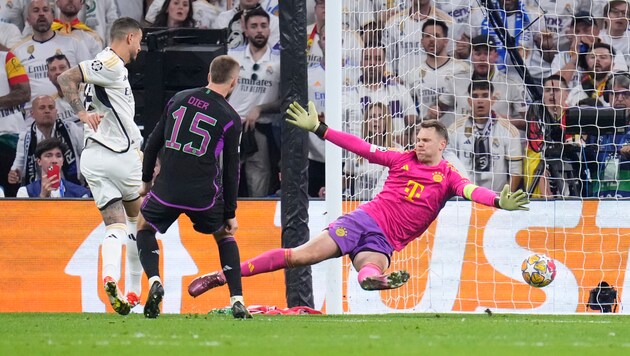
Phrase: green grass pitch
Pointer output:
(327, 335)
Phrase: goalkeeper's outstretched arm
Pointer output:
(310, 121)
(505, 200)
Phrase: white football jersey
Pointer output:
(317, 94)
(620, 44)
(509, 94)
(65, 111)
(395, 96)
(559, 16)
(358, 13)
(351, 45)
(14, 11)
(427, 84)
(258, 82)
(236, 34)
(33, 55)
(109, 92)
(506, 151)
(401, 39)
(459, 10)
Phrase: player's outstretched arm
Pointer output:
(506, 200)
(310, 121)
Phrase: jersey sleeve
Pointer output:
(375, 154)
(100, 72)
(231, 167)
(461, 186)
(16, 73)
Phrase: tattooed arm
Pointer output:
(19, 94)
(69, 82)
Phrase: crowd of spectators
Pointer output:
(403, 62)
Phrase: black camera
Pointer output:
(595, 121)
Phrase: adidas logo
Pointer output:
(111, 236)
(157, 252)
(227, 268)
(132, 237)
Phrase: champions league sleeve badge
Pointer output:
(97, 65)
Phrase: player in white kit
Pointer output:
(113, 163)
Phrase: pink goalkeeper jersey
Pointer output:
(414, 193)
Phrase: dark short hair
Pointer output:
(557, 77)
(480, 85)
(49, 144)
(256, 12)
(437, 23)
(122, 27)
(583, 17)
(161, 19)
(57, 57)
(437, 125)
(604, 45)
(221, 69)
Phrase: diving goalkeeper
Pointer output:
(418, 186)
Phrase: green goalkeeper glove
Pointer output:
(306, 120)
(513, 201)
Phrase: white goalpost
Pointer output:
(333, 153)
(380, 84)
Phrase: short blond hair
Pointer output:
(222, 68)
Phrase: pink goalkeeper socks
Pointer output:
(269, 261)
(369, 270)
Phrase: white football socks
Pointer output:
(133, 269)
(236, 298)
(111, 250)
(153, 280)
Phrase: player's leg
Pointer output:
(155, 217)
(149, 255)
(95, 167)
(231, 268)
(133, 270)
(371, 257)
(371, 266)
(111, 250)
(129, 182)
(211, 221)
(316, 250)
(341, 237)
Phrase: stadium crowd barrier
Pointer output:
(468, 260)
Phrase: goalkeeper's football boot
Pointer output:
(152, 306)
(385, 281)
(239, 311)
(133, 299)
(115, 296)
(206, 282)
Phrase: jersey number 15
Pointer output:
(194, 128)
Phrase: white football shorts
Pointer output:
(111, 175)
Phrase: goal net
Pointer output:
(405, 61)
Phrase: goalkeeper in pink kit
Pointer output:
(418, 186)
